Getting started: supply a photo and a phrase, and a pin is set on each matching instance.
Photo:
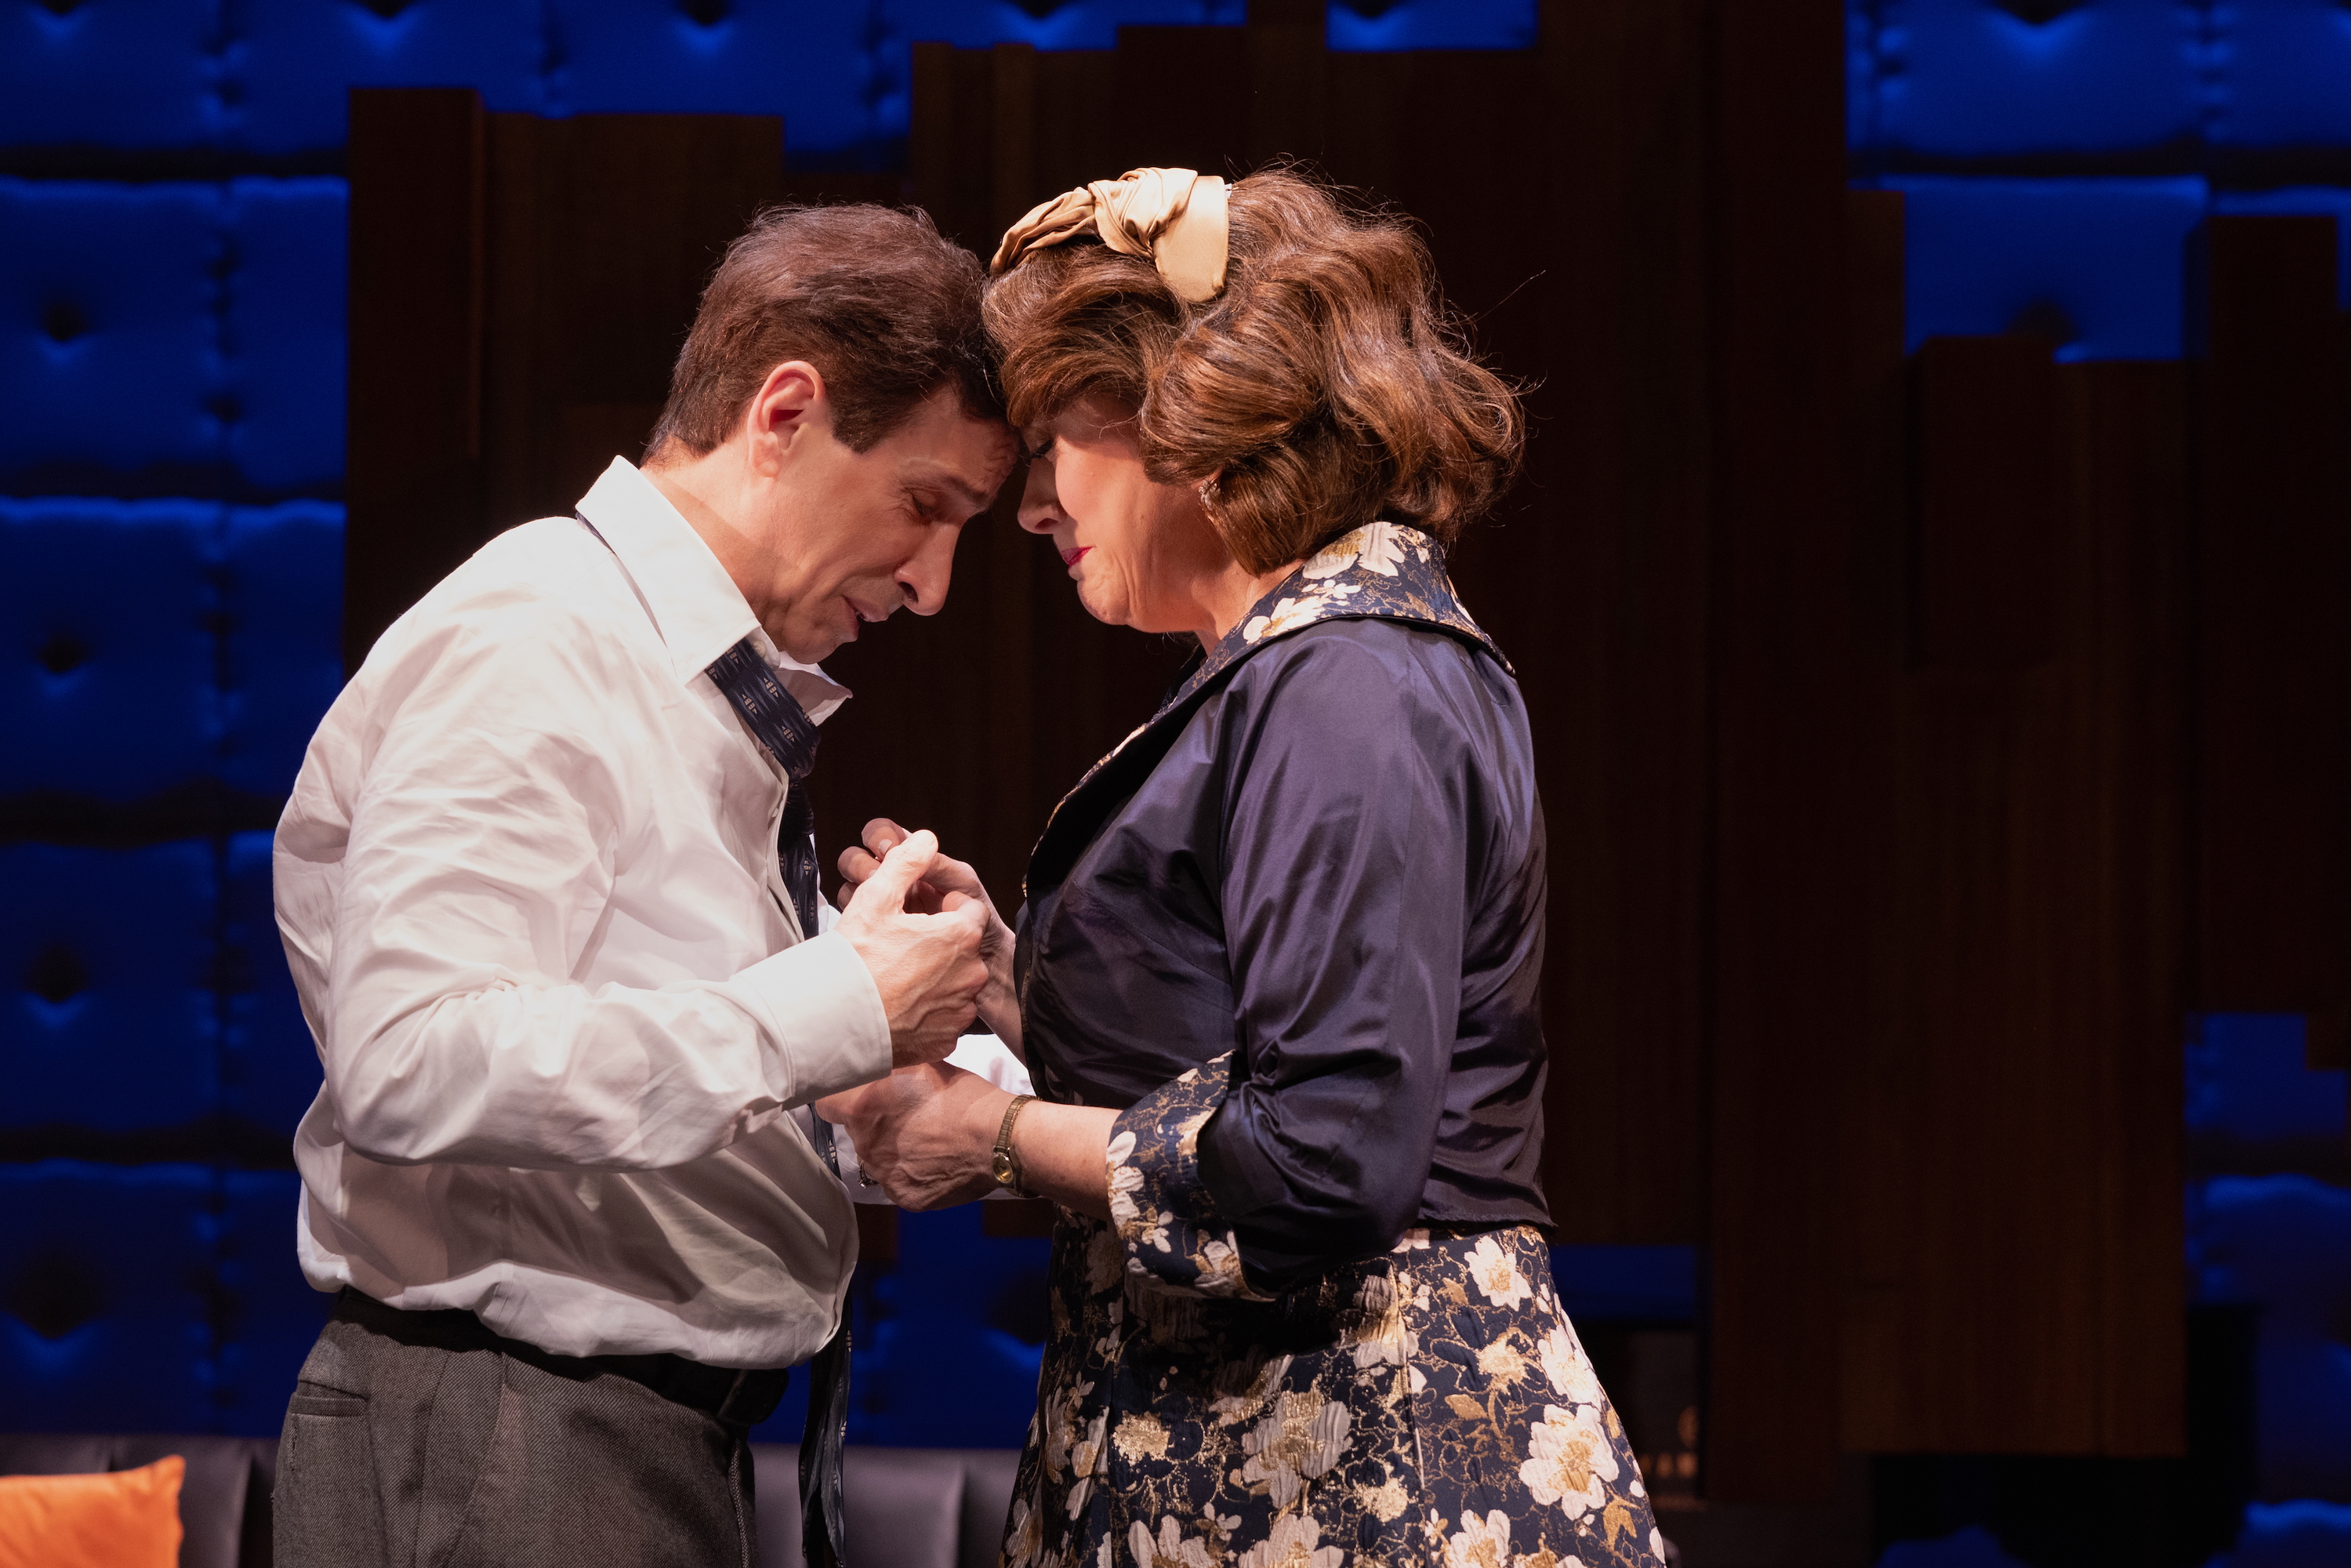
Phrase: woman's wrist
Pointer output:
(1062, 1154)
(999, 1010)
(982, 1118)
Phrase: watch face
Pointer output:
(1001, 1164)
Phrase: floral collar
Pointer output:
(1381, 572)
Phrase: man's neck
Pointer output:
(697, 489)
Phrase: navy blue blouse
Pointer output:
(1324, 857)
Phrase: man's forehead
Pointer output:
(971, 457)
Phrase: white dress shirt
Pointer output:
(528, 885)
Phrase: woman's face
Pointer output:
(1143, 554)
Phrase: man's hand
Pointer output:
(946, 880)
(927, 967)
(925, 1133)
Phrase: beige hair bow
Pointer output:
(1175, 216)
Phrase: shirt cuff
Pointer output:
(991, 1059)
(826, 1026)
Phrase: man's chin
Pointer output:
(813, 648)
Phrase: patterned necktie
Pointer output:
(777, 721)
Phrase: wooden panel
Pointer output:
(1600, 574)
(951, 141)
(2273, 706)
(1877, 428)
(877, 1235)
(2012, 1273)
(1878, 1222)
(1007, 1219)
(1987, 504)
(816, 187)
(1787, 787)
(418, 175)
(1940, 1353)
(2128, 423)
(2011, 1170)
(599, 253)
(516, 391)
(1076, 93)
(1289, 76)
(1183, 101)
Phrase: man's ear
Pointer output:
(789, 408)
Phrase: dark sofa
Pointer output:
(908, 1508)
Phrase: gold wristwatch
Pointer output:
(1006, 1166)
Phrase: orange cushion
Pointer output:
(127, 1520)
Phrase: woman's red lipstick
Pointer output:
(1069, 557)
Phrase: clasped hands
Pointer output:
(939, 954)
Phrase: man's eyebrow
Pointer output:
(947, 480)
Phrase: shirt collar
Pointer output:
(696, 606)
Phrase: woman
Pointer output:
(1276, 976)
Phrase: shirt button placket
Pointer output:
(775, 867)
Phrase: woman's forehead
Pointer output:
(1094, 416)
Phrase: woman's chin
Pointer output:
(1104, 607)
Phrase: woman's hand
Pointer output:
(999, 1008)
(926, 1134)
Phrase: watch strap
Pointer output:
(1006, 1164)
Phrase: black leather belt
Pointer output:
(739, 1397)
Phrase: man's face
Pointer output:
(856, 536)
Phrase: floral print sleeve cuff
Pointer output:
(1160, 1207)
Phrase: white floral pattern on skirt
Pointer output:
(1431, 1408)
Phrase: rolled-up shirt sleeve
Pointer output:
(1344, 891)
(480, 869)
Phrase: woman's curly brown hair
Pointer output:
(1328, 386)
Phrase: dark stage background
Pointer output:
(1932, 585)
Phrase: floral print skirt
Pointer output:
(1432, 1406)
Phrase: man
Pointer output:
(548, 889)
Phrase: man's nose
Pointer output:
(924, 579)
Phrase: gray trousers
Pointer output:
(420, 1438)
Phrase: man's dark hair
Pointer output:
(885, 309)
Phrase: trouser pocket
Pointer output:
(325, 1507)
(500, 1504)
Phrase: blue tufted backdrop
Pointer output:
(172, 267)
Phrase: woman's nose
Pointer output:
(1040, 509)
